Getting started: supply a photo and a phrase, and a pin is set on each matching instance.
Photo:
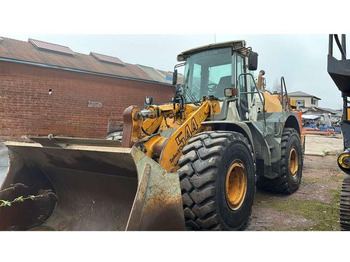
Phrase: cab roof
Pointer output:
(238, 44)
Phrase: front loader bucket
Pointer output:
(78, 184)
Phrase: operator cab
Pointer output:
(211, 69)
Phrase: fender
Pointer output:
(239, 127)
(293, 121)
(258, 143)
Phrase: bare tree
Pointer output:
(276, 86)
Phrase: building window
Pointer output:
(313, 101)
(301, 103)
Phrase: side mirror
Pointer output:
(253, 61)
(175, 77)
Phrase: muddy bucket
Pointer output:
(83, 184)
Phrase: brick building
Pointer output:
(47, 88)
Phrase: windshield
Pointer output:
(208, 73)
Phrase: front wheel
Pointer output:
(217, 175)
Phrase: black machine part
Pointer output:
(339, 71)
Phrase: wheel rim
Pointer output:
(293, 162)
(236, 185)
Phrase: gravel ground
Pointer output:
(318, 145)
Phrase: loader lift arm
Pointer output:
(166, 145)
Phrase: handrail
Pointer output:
(257, 91)
(283, 84)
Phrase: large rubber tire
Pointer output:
(344, 210)
(286, 183)
(204, 166)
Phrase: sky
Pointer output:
(291, 37)
(300, 58)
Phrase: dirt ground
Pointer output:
(314, 207)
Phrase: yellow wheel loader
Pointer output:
(193, 163)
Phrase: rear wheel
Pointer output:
(291, 165)
(217, 175)
(345, 205)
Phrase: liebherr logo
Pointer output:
(182, 138)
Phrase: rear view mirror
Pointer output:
(252, 61)
(175, 77)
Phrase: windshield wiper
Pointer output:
(189, 94)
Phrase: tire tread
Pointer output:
(344, 209)
(198, 167)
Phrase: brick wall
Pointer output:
(27, 108)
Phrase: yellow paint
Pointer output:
(191, 126)
(236, 185)
(184, 122)
(152, 144)
(136, 126)
(293, 103)
(272, 103)
(293, 162)
(342, 163)
(151, 125)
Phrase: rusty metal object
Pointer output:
(158, 202)
(312, 131)
(99, 187)
(127, 128)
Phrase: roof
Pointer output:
(324, 110)
(238, 44)
(43, 53)
(333, 111)
(108, 59)
(51, 47)
(310, 117)
(156, 75)
(299, 93)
